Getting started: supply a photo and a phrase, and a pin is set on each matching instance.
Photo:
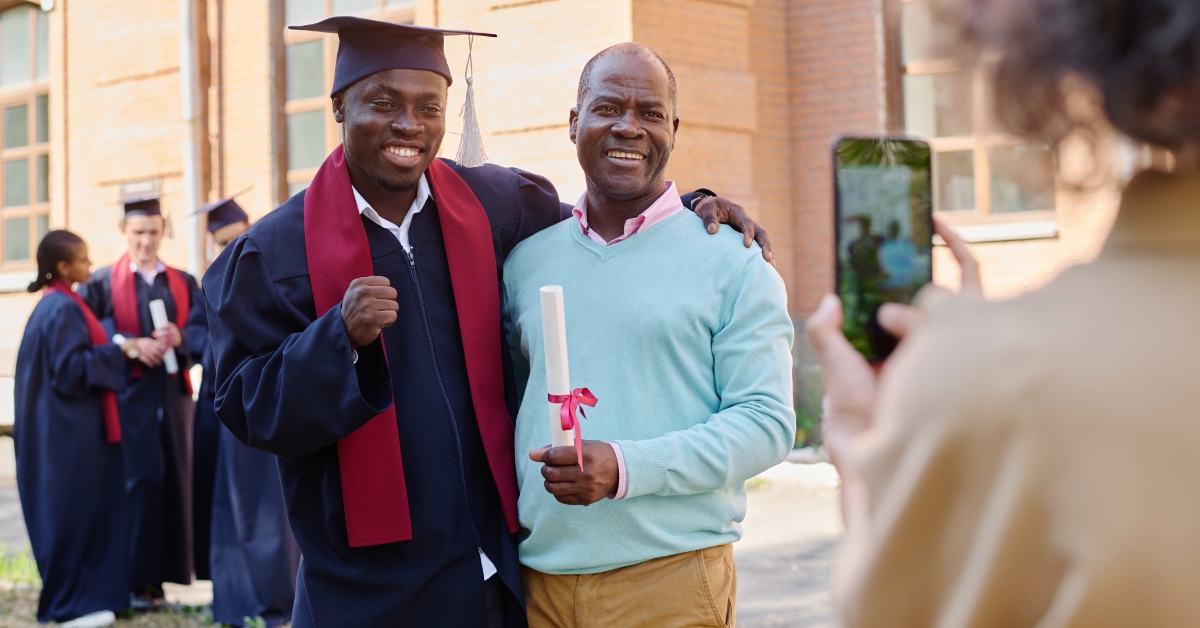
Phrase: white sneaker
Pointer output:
(92, 620)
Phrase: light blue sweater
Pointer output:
(685, 339)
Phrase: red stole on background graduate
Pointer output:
(108, 398)
(374, 494)
(125, 305)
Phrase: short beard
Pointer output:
(393, 186)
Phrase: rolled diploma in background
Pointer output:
(158, 315)
(558, 377)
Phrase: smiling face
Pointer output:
(393, 124)
(143, 234)
(624, 126)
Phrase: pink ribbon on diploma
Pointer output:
(566, 414)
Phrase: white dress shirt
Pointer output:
(401, 232)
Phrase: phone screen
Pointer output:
(884, 231)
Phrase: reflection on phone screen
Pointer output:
(884, 232)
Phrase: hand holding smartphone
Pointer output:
(883, 226)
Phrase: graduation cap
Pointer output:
(369, 46)
(223, 213)
(142, 207)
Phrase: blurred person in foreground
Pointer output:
(1033, 462)
(68, 444)
(243, 541)
(685, 339)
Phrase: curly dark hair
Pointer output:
(1139, 60)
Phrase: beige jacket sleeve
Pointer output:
(953, 531)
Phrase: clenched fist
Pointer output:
(369, 306)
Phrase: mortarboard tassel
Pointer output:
(470, 146)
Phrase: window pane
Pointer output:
(937, 105)
(16, 239)
(16, 126)
(14, 45)
(303, 11)
(916, 32)
(43, 226)
(1022, 178)
(293, 188)
(43, 178)
(43, 119)
(43, 45)
(954, 181)
(16, 182)
(341, 7)
(306, 139)
(305, 70)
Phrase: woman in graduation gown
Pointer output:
(69, 470)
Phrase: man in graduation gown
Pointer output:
(248, 550)
(156, 408)
(356, 331)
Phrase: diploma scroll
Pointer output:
(158, 315)
(558, 377)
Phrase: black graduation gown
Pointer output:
(286, 384)
(252, 558)
(156, 427)
(206, 430)
(70, 480)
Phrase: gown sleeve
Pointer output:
(197, 328)
(96, 294)
(540, 207)
(81, 368)
(285, 383)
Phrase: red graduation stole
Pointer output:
(375, 498)
(125, 305)
(108, 398)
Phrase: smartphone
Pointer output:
(883, 232)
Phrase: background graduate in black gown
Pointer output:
(253, 558)
(297, 378)
(156, 407)
(69, 471)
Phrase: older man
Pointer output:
(692, 367)
(357, 336)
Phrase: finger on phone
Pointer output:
(898, 319)
(825, 324)
(972, 282)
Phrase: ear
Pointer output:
(674, 131)
(339, 108)
(572, 122)
(62, 268)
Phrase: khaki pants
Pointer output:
(692, 589)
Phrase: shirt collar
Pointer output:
(423, 196)
(149, 276)
(1158, 212)
(666, 205)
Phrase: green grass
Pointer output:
(18, 567)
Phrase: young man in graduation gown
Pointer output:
(357, 336)
(248, 550)
(692, 368)
(156, 407)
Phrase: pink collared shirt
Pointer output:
(666, 206)
(148, 275)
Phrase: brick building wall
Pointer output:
(763, 85)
